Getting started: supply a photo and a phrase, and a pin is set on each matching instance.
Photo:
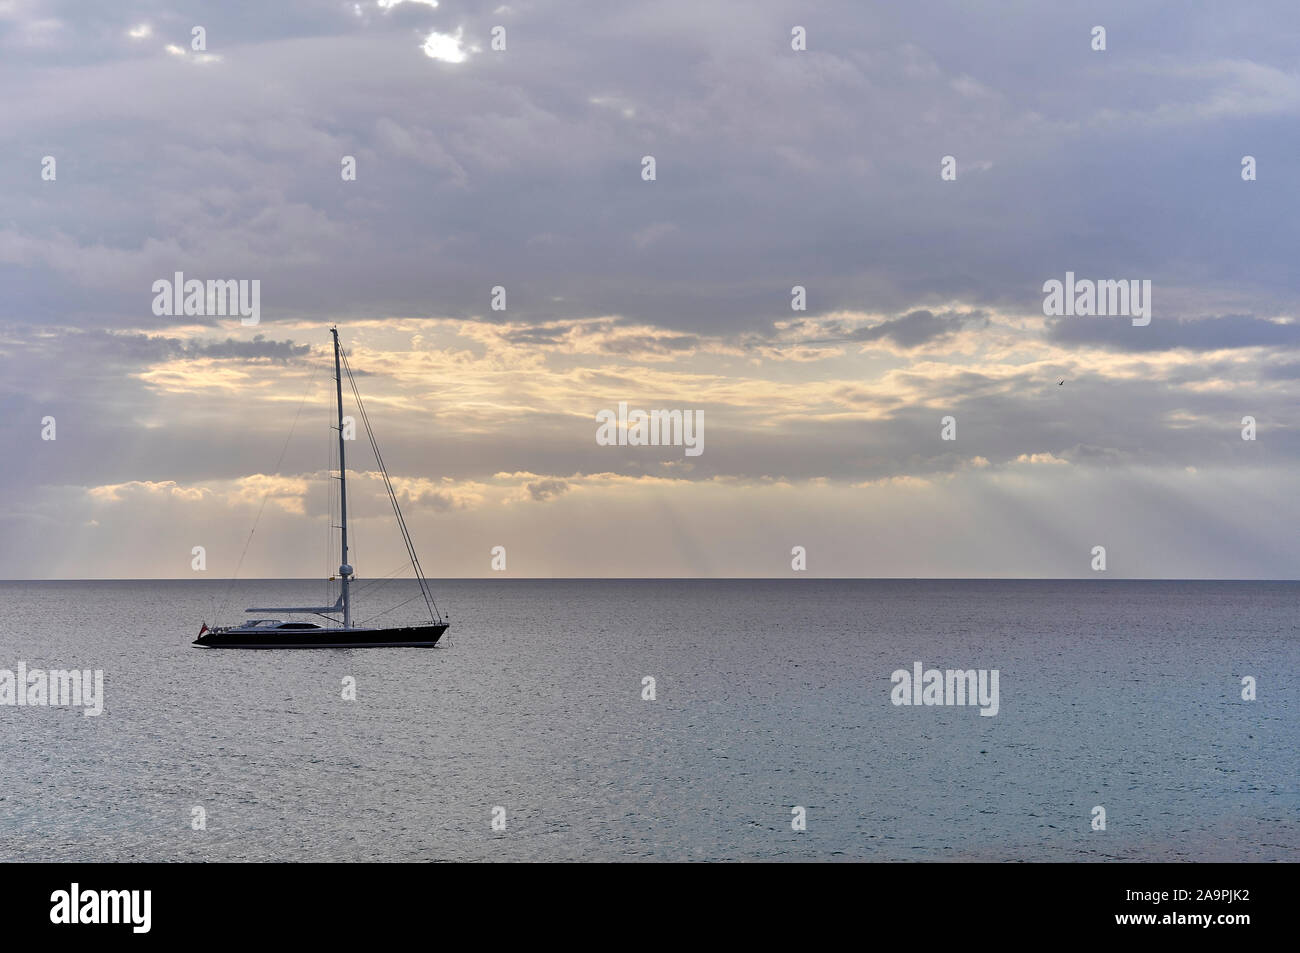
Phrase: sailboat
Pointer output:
(341, 632)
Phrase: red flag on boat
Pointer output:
(204, 629)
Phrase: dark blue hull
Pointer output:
(409, 636)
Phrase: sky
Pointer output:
(224, 156)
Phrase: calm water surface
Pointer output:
(771, 694)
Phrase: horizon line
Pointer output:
(791, 578)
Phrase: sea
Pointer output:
(665, 720)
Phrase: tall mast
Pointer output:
(345, 571)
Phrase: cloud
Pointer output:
(911, 330)
(117, 493)
(775, 168)
(259, 348)
(543, 490)
(1162, 334)
(1041, 459)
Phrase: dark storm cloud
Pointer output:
(523, 168)
(136, 350)
(1289, 371)
(553, 335)
(1205, 334)
(437, 500)
(911, 330)
(644, 344)
(259, 348)
(543, 490)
